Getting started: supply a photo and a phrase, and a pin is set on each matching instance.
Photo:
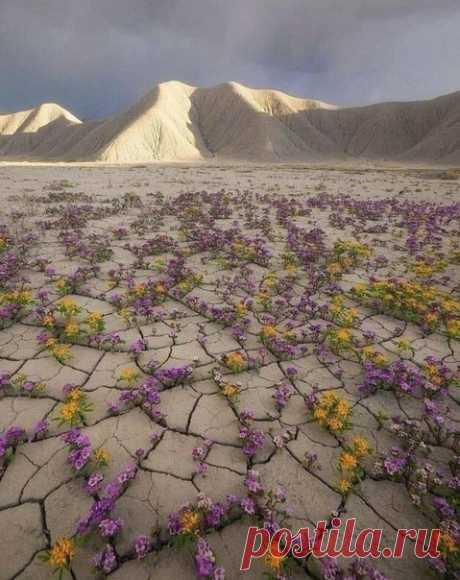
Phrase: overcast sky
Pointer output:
(96, 57)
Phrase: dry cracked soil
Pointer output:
(207, 347)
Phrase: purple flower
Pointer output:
(76, 437)
(219, 573)
(39, 430)
(204, 559)
(127, 474)
(214, 515)
(283, 393)
(248, 505)
(106, 560)
(291, 372)
(443, 507)
(394, 465)
(14, 435)
(93, 483)
(79, 457)
(109, 527)
(253, 440)
(142, 546)
(137, 346)
(252, 481)
(174, 525)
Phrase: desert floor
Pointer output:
(213, 322)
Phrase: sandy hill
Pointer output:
(176, 121)
(26, 133)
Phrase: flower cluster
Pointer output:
(283, 392)
(421, 304)
(146, 395)
(253, 439)
(339, 340)
(229, 390)
(236, 362)
(65, 323)
(349, 464)
(20, 385)
(60, 556)
(329, 411)
(9, 440)
(340, 314)
(199, 455)
(75, 407)
(83, 459)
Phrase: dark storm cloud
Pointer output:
(97, 56)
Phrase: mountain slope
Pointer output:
(23, 132)
(176, 121)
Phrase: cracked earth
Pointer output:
(206, 348)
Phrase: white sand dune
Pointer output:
(176, 121)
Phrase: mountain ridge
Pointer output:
(179, 122)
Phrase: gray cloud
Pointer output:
(97, 56)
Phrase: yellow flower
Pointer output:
(270, 281)
(22, 296)
(423, 270)
(235, 361)
(229, 390)
(380, 359)
(48, 320)
(347, 461)
(328, 400)
(75, 394)
(62, 553)
(39, 387)
(320, 414)
(69, 411)
(61, 351)
(359, 288)
(268, 331)
(140, 289)
(61, 284)
(94, 318)
(447, 544)
(361, 446)
(431, 317)
(404, 345)
(453, 328)
(343, 408)
(262, 297)
(275, 563)
(129, 375)
(451, 306)
(334, 424)
(101, 455)
(334, 268)
(71, 330)
(241, 309)
(431, 370)
(344, 486)
(343, 335)
(190, 521)
(125, 313)
(69, 305)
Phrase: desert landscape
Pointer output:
(230, 290)
(188, 349)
